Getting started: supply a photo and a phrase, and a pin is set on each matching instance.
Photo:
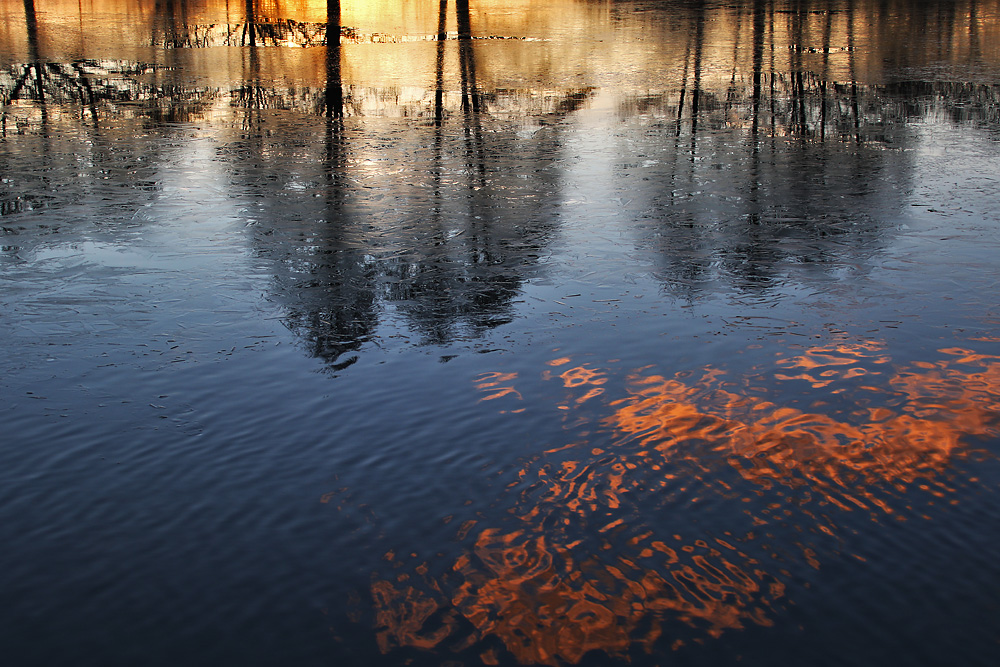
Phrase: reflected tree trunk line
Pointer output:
(852, 66)
(334, 109)
(680, 118)
(334, 94)
(36, 64)
(345, 315)
(334, 162)
(684, 79)
(757, 65)
(470, 91)
(732, 91)
(251, 93)
(975, 49)
(249, 37)
(946, 17)
(439, 50)
(79, 13)
(229, 24)
(85, 84)
(825, 74)
(799, 124)
(773, 97)
(699, 45)
(471, 98)
(479, 225)
(340, 311)
(31, 26)
(170, 21)
(442, 36)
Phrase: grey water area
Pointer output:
(591, 333)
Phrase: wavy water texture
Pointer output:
(556, 585)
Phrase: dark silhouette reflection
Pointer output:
(31, 23)
(337, 308)
(334, 85)
(249, 37)
(433, 226)
(442, 35)
(173, 27)
(170, 24)
(436, 250)
(472, 101)
(768, 207)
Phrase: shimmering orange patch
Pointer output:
(493, 384)
(550, 598)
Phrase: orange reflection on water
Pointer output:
(401, 616)
(494, 385)
(581, 376)
(923, 416)
(821, 366)
(574, 568)
(552, 603)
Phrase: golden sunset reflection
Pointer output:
(517, 53)
(579, 568)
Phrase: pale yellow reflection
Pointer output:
(532, 44)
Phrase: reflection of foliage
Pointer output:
(460, 284)
(100, 88)
(346, 322)
(273, 33)
(62, 125)
(810, 106)
(766, 206)
(582, 565)
(452, 269)
(83, 81)
(286, 32)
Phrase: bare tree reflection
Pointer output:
(249, 37)
(472, 102)
(443, 247)
(334, 85)
(699, 45)
(745, 192)
(442, 35)
(809, 134)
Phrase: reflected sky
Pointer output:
(458, 332)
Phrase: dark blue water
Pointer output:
(581, 333)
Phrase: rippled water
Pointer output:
(462, 333)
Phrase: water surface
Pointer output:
(461, 333)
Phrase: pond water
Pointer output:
(417, 332)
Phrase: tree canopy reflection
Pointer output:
(767, 116)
